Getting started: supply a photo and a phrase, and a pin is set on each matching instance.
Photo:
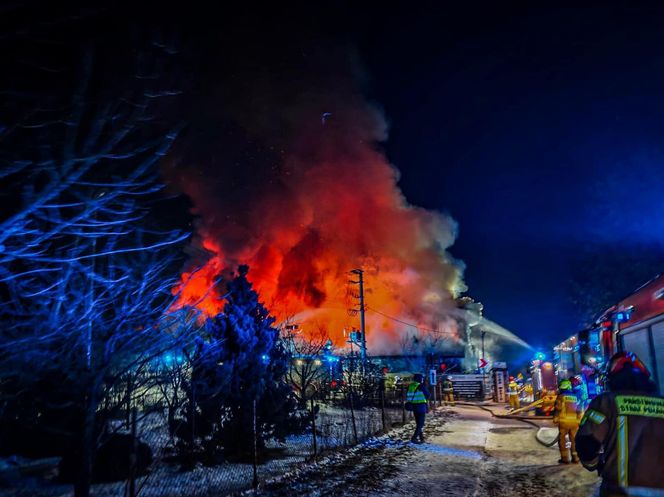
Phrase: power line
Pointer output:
(405, 322)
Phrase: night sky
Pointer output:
(540, 130)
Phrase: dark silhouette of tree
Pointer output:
(602, 275)
(307, 367)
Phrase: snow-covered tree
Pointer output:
(239, 371)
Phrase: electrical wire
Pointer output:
(430, 330)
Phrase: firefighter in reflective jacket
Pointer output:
(548, 402)
(417, 396)
(580, 389)
(622, 433)
(448, 391)
(567, 415)
(513, 392)
(528, 391)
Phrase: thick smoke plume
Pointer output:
(292, 182)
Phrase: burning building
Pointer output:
(287, 175)
(289, 178)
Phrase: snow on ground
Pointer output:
(334, 428)
(468, 453)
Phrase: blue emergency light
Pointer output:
(623, 316)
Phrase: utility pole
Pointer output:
(363, 329)
(288, 332)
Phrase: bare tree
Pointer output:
(86, 268)
(604, 274)
(307, 362)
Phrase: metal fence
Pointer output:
(340, 421)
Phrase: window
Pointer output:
(658, 341)
(639, 342)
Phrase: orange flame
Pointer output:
(333, 206)
(198, 288)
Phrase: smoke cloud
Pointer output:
(286, 174)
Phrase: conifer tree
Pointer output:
(239, 363)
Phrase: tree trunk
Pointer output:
(82, 486)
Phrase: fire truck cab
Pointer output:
(636, 323)
(638, 326)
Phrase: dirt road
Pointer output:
(468, 453)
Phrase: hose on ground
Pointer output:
(520, 418)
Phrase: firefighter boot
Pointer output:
(562, 445)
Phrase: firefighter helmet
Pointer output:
(624, 359)
(565, 385)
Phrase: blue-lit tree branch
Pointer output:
(86, 268)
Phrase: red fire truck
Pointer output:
(637, 325)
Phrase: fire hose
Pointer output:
(520, 418)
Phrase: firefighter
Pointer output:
(528, 392)
(448, 391)
(622, 433)
(548, 402)
(417, 397)
(580, 389)
(513, 392)
(567, 415)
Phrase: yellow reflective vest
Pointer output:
(567, 411)
(415, 395)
